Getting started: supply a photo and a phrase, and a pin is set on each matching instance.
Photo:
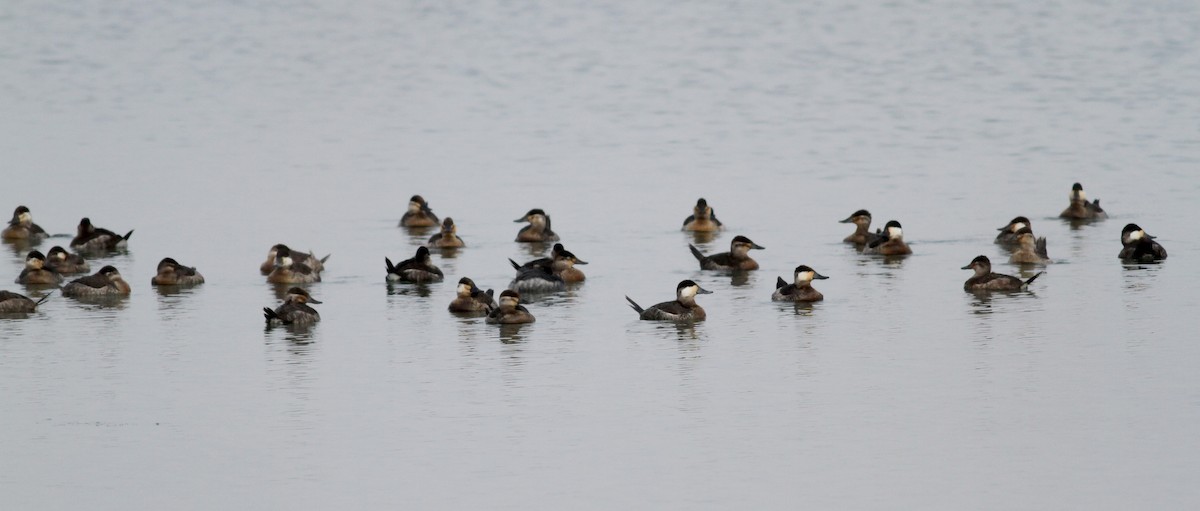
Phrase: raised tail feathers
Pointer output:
(1040, 248)
(391, 268)
(634, 304)
(44, 298)
(1033, 278)
(514, 264)
(779, 282)
(127, 235)
(696, 252)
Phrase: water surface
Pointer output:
(217, 130)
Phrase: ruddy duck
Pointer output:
(294, 310)
(1008, 233)
(11, 302)
(890, 243)
(21, 227)
(310, 260)
(862, 224)
(1029, 250)
(1139, 246)
(418, 269)
(59, 260)
(702, 219)
(90, 238)
(171, 273)
(538, 228)
(548, 273)
(448, 238)
(418, 214)
(985, 280)
(289, 271)
(738, 257)
(36, 273)
(800, 290)
(106, 282)
(471, 299)
(1080, 208)
(683, 308)
(510, 311)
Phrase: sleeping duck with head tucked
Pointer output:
(418, 214)
(106, 282)
(59, 260)
(171, 273)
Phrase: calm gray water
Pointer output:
(216, 129)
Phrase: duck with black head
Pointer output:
(737, 258)
(295, 309)
(538, 229)
(890, 243)
(509, 311)
(1139, 247)
(985, 280)
(682, 308)
(702, 219)
(418, 269)
(800, 290)
(1079, 207)
(21, 227)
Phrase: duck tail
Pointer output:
(391, 268)
(326, 258)
(696, 252)
(491, 293)
(780, 283)
(1033, 278)
(127, 235)
(270, 314)
(1040, 248)
(634, 304)
(514, 264)
(44, 298)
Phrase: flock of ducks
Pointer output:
(544, 275)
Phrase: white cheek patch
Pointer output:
(285, 261)
(1136, 235)
(464, 289)
(895, 232)
(687, 292)
(413, 207)
(24, 218)
(805, 276)
(1018, 226)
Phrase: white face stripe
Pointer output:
(1136, 235)
(464, 289)
(285, 261)
(805, 276)
(895, 232)
(509, 301)
(1018, 226)
(413, 207)
(688, 292)
(24, 218)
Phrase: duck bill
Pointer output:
(702, 291)
(313, 300)
(967, 267)
(818, 276)
(848, 219)
(578, 261)
(756, 246)
(519, 220)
